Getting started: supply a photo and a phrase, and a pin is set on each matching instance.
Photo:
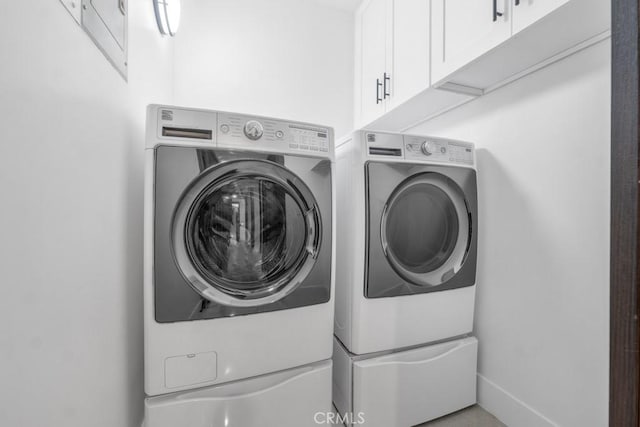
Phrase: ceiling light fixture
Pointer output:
(167, 16)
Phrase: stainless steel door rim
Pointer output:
(228, 290)
(454, 257)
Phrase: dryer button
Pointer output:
(428, 148)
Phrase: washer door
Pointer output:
(246, 233)
(425, 229)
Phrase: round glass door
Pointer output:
(246, 233)
(425, 229)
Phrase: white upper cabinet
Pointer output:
(418, 58)
(526, 12)
(394, 54)
(480, 44)
(465, 29)
(410, 50)
(373, 25)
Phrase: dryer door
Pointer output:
(421, 229)
(246, 233)
(424, 229)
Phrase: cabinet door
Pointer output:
(462, 30)
(409, 74)
(526, 12)
(373, 51)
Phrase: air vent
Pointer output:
(186, 133)
(167, 115)
(376, 151)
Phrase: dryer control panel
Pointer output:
(418, 148)
(438, 150)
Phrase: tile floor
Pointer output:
(474, 416)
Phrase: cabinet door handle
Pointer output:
(387, 78)
(495, 11)
(378, 85)
(517, 2)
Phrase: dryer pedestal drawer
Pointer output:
(414, 386)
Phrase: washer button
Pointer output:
(224, 128)
(279, 134)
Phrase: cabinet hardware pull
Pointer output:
(495, 11)
(517, 2)
(378, 85)
(386, 79)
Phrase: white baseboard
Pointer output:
(507, 408)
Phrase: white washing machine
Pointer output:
(238, 264)
(406, 271)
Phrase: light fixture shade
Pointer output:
(167, 16)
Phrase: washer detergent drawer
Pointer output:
(411, 387)
(289, 398)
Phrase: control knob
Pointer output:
(429, 147)
(253, 130)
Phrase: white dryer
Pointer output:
(406, 258)
(405, 280)
(238, 258)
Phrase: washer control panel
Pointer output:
(243, 131)
(438, 150)
(231, 130)
(308, 138)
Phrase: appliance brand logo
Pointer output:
(167, 115)
(371, 137)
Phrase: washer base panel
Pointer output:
(292, 398)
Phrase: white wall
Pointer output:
(283, 58)
(542, 314)
(71, 180)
